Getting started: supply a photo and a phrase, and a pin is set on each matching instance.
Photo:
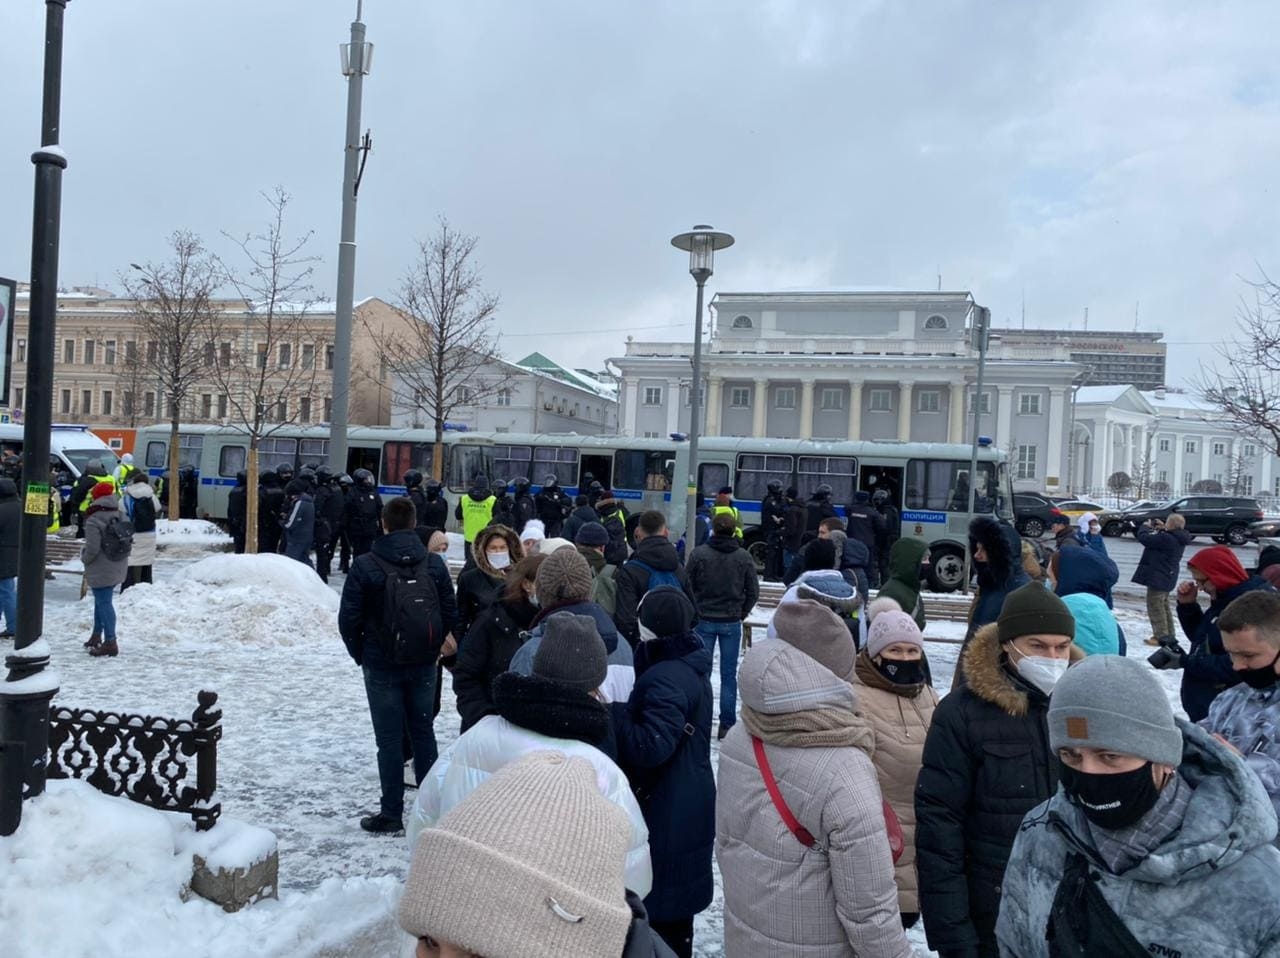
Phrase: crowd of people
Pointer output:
(1050, 804)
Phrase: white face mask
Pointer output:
(1042, 672)
(499, 560)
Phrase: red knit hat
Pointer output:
(103, 489)
(1220, 566)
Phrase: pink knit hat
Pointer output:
(890, 627)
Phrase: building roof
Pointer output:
(538, 363)
(1163, 400)
(1101, 394)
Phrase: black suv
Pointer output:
(1032, 514)
(1224, 518)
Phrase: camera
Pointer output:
(1163, 657)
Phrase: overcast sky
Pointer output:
(1088, 154)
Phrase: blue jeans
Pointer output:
(729, 637)
(104, 613)
(9, 603)
(399, 699)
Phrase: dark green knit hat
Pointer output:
(1034, 610)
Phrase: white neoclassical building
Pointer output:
(864, 364)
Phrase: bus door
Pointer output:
(598, 466)
(873, 477)
(363, 457)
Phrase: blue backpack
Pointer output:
(657, 577)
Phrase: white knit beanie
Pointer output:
(533, 531)
(890, 627)
(529, 865)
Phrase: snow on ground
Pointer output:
(297, 757)
(200, 531)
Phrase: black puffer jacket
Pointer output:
(485, 654)
(658, 554)
(10, 519)
(577, 519)
(986, 763)
(1161, 557)
(435, 512)
(997, 577)
(723, 578)
(482, 584)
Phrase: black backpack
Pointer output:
(412, 628)
(117, 539)
(144, 514)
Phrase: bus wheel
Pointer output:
(946, 571)
(757, 551)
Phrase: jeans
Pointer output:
(104, 613)
(729, 637)
(398, 698)
(9, 603)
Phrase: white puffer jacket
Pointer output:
(492, 743)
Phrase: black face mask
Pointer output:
(898, 672)
(1262, 678)
(1111, 801)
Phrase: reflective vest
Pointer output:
(87, 501)
(55, 510)
(475, 516)
(733, 511)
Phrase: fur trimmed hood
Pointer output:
(989, 680)
(483, 537)
(1003, 546)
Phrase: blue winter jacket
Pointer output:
(1084, 570)
(1206, 670)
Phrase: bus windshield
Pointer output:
(79, 458)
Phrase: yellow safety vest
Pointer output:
(733, 511)
(55, 509)
(87, 501)
(475, 516)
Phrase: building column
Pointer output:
(673, 406)
(1264, 480)
(955, 432)
(1101, 453)
(855, 411)
(1053, 456)
(711, 408)
(1175, 481)
(806, 409)
(1205, 443)
(1004, 416)
(906, 392)
(760, 410)
(630, 405)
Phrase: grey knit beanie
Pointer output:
(817, 632)
(529, 865)
(571, 652)
(890, 627)
(564, 576)
(1114, 703)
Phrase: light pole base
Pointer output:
(24, 731)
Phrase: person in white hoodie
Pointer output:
(141, 506)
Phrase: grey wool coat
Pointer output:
(837, 900)
(1208, 891)
(99, 571)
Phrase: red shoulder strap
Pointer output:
(799, 831)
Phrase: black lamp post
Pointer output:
(701, 244)
(29, 686)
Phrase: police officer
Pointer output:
(474, 511)
(188, 491)
(773, 509)
(864, 523)
(237, 510)
(364, 513)
(436, 508)
(329, 506)
(882, 499)
(347, 487)
(413, 489)
(554, 506)
(525, 507)
(724, 506)
(504, 506)
(818, 507)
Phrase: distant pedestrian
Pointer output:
(237, 512)
(902, 586)
(864, 523)
(996, 549)
(525, 507)
(108, 537)
(300, 522)
(553, 506)
(10, 521)
(496, 550)
(793, 526)
(364, 510)
(818, 507)
(1162, 548)
(723, 506)
(773, 509)
(582, 514)
(141, 506)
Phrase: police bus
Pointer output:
(928, 482)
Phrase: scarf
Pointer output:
(1124, 848)
(814, 728)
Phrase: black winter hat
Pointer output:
(297, 487)
(571, 652)
(819, 554)
(1061, 519)
(1269, 556)
(591, 534)
(665, 610)
(1034, 610)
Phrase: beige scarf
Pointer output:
(815, 728)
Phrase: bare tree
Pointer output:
(1239, 470)
(1248, 393)
(444, 352)
(1144, 468)
(172, 303)
(1210, 487)
(259, 367)
(1119, 483)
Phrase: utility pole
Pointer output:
(30, 685)
(357, 58)
(982, 326)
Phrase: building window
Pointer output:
(1188, 480)
(148, 404)
(21, 355)
(285, 359)
(928, 400)
(464, 394)
(653, 395)
(130, 350)
(328, 408)
(304, 409)
(936, 321)
(742, 322)
(784, 397)
(107, 402)
(68, 352)
(222, 407)
(1026, 462)
(881, 400)
(308, 355)
(739, 397)
(832, 399)
(1029, 404)
(1246, 485)
(1250, 450)
(224, 354)
(650, 434)
(702, 397)
(1163, 476)
(1189, 446)
(209, 354)
(19, 394)
(328, 357)
(153, 351)
(86, 402)
(1275, 487)
(128, 403)
(1164, 444)
(1219, 448)
(65, 407)
(90, 352)
(109, 352)
(984, 405)
(504, 397)
(206, 406)
(282, 410)
(262, 356)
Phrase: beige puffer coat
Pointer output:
(780, 898)
(900, 722)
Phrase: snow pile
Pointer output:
(190, 531)
(223, 599)
(87, 874)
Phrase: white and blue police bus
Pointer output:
(928, 482)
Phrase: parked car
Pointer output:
(1223, 518)
(1032, 514)
(1264, 529)
(1114, 524)
(1075, 508)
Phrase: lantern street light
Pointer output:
(701, 244)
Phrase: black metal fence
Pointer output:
(145, 758)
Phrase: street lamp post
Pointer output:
(30, 685)
(981, 326)
(357, 58)
(701, 244)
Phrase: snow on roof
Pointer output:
(538, 363)
(1100, 394)
(1180, 401)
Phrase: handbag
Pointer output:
(893, 828)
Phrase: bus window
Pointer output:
(838, 473)
(157, 454)
(754, 473)
(466, 462)
(313, 452)
(399, 457)
(276, 451)
(598, 465)
(557, 460)
(511, 462)
(943, 486)
(231, 459)
(189, 448)
(363, 457)
(712, 477)
(638, 469)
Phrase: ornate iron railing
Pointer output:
(145, 758)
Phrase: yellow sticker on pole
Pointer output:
(37, 503)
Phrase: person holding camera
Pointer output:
(1162, 546)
